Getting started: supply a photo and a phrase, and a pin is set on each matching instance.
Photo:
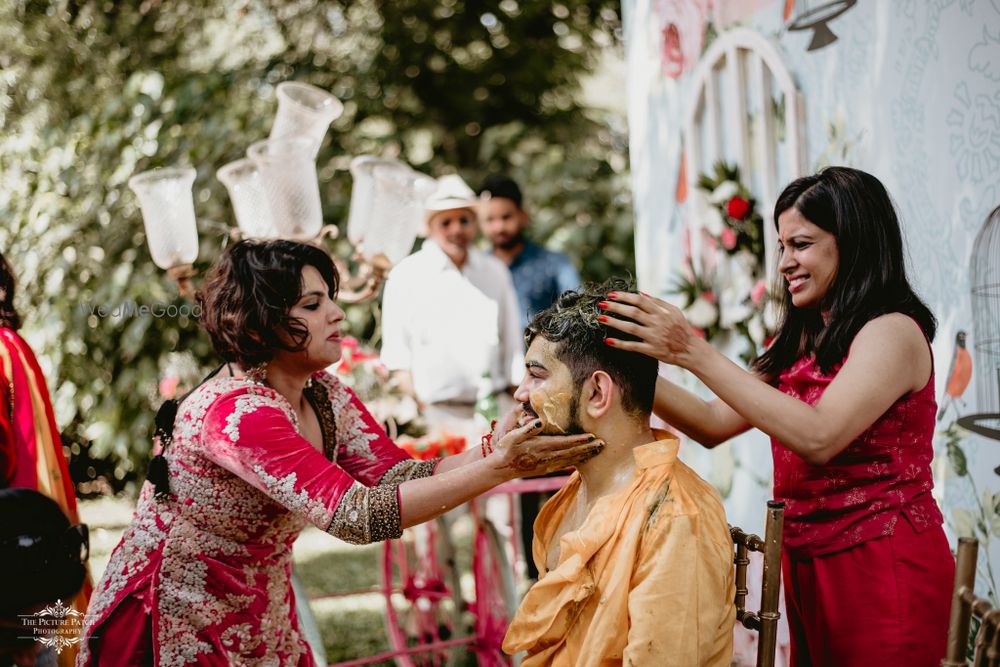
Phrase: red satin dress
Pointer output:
(867, 568)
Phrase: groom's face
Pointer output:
(547, 391)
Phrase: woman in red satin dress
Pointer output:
(846, 392)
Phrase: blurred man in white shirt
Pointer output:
(450, 316)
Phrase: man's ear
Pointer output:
(598, 394)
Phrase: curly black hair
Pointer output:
(249, 292)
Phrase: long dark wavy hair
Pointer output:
(871, 280)
(248, 293)
(9, 316)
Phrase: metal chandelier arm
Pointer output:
(366, 284)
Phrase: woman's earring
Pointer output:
(257, 374)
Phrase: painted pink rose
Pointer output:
(681, 26)
(758, 292)
(728, 238)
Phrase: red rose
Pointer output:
(737, 208)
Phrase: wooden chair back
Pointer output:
(765, 620)
(965, 606)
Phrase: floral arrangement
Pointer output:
(362, 370)
(426, 448)
(727, 295)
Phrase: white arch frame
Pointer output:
(744, 53)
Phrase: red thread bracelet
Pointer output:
(487, 441)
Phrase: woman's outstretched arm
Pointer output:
(520, 453)
(888, 358)
(707, 422)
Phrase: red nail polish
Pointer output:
(602, 304)
(612, 295)
(602, 318)
(609, 341)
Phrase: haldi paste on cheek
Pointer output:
(547, 406)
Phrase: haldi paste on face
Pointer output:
(547, 405)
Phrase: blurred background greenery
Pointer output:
(92, 92)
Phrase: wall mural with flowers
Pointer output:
(724, 298)
(905, 90)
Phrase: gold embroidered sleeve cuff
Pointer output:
(408, 469)
(367, 514)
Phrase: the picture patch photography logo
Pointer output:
(56, 626)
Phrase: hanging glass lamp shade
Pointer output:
(304, 111)
(167, 205)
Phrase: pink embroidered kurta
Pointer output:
(861, 493)
(213, 560)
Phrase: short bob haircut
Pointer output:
(249, 292)
(871, 280)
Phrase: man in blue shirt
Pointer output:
(540, 275)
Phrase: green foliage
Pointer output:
(953, 436)
(93, 92)
(982, 521)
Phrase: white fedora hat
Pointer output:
(451, 193)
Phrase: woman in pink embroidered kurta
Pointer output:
(202, 575)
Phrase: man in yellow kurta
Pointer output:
(634, 553)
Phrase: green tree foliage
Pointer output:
(93, 91)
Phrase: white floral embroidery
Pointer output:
(207, 523)
(191, 413)
(275, 623)
(245, 405)
(186, 606)
(855, 497)
(130, 556)
(283, 490)
(352, 437)
(238, 637)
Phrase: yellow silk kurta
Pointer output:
(647, 580)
